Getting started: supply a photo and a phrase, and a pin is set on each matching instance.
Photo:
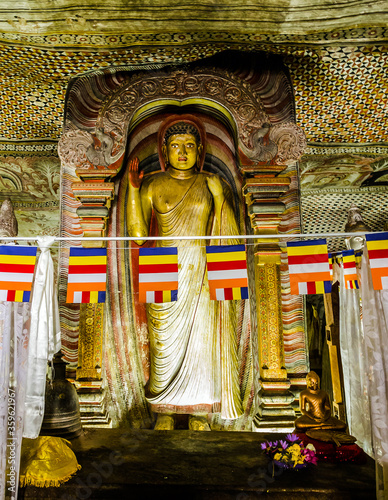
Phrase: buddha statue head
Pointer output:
(181, 140)
(312, 381)
(355, 224)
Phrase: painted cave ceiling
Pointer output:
(337, 56)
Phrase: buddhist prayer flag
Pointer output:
(87, 275)
(158, 274)
(377, 245)
(309, 268)
(227, 272)
(350, 270)
(331, 265)
(17, 265)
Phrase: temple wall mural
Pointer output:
(33, 183)
(332, 183)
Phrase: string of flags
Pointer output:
(311, 267)
(350, 270)
(377, 245)
(309, 262)
(226, 270)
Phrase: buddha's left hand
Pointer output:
(215, 186)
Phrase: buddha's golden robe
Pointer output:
(193, 346)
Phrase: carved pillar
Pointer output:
(90, 342)
(262, 189)
(95, 195)
(89, 369)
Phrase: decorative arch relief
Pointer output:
(102, 146)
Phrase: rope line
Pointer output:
(194, 238)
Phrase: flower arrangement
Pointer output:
(290, 453)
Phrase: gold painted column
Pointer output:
(262, 189)
(95, 195)
(331, 301)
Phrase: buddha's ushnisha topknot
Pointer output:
(182, 128)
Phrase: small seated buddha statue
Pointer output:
(316, 409)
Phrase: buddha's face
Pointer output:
(182, 151)
(313, 382)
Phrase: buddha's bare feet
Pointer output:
(198, 423)
(164, 422)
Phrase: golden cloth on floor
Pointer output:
(47, 461)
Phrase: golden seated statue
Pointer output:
(315, 408)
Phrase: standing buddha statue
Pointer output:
(193, 345)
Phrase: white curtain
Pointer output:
(45, 338)
(29, 336)
(352, 346)
(375, 324)
(14, 327)
(364, 352)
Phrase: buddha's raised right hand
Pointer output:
(134, 176)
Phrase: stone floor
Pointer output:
(182, 464)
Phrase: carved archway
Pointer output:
(97, 124)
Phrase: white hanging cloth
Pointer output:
(14, 327)
(354, 365)
(375, 326)
(45, 338)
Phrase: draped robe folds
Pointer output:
(193, 345)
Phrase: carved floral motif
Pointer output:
(290, 140)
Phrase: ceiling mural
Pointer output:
(326, 211)
(332, 183)
(346, 170)
(339, 81)
(342, 97)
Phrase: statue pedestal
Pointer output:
(275, 411)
